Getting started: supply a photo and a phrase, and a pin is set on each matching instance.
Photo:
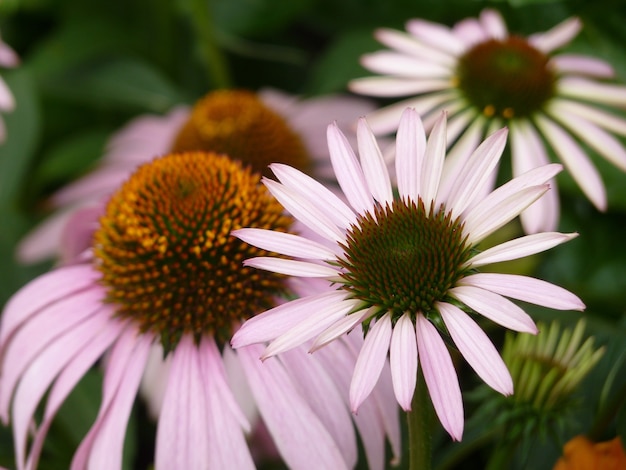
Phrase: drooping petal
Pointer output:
(348, 171)
(556, 37)
(284, 243)
(373, 163)
(526, 289)
(275, 322)
(477, 348)
(370, 362)
(520, 248)
(298, 434)
(440, 377)
(410, 146)
(291, 267)
(493, 306)
(403, 360)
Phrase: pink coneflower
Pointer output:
(405, 268)
(164, 270)
(486, 78)
(8, 58)
(255, 128)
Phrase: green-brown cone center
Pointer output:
(166, 254)
(507, 78)
(404, 258)
(239, 124)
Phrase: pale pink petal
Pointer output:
(527, 289)
(608, 121)
(182, 439)
(575, 160)
(310, 327)
(284, 243)
(493, 23)
(591, 90)
(321, 393)
(154, 380)
(277, 321)
(305, 211)
(403, 360)
(370, 362)
(401, 65)
(42, 291)
(7, 102)
(595, 137)
(373, 164)
(528, 152)
(68, 379)
(434, 157)
(582, 65)
(298, 434)
(291, 267)
(440, 377)
(476, 348)
(493, 306)
(391, 87)
(471, 31)
(410, 146)
(8, 57)
(520, 248)
(479, 227)
(348, 171)
(238, 384)
(106, 451)
(77, 235)
(93, 186)
(557, 37)
(227, 446)
(40, 374)
(340, 327)
(475, 173)
(438, 36)
(325, 200)
(403, 42)
(43, 241)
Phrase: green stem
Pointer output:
(502, 455)
(605, 416)
(211, 54)
(418, 419)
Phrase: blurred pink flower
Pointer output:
(148, 136)
(8, 58)
(163, 274)
(405, 267)
(487, 78)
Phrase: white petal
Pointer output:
(434, 157)
(476, 348)
(400, 65)
(392, 87)
(493, 306)
(341, 326)
(582, 65)
(370, 362)
(403, 360)
(493, 23)
(284, 243)
(410, 146)
(291, 267)
(403, 42)
(556, 37)
(605, 93)
(606, 120)
(520, 248)
(373, 163)
(438, 36)
(527, 289)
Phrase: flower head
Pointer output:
(8, 58)
(405, 267)
(254, 128)
(485, 77)
(164, 275)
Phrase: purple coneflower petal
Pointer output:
(284, 243)
(392, 87)
(306, 212)
(493, 23)
(297, 432)
(493, 306)
(320, 392)
(91, 186)
(348, 171)
(476, 348)
(526, 289)
(520, 248)
(556, 37)
(311, 190)
(370, 362)
(398, 64)
(7, 102)
(434, 157)
(582, 65)
(606, 120)
(402, 42)
(279, 320)
(373, 164)
(291, 267)
(440, 377)
(438, 36)
(310, 327)
(338, 328)
(410, 146)
(403, 360)
(605, 93)
(576, 161)
(470, 31)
